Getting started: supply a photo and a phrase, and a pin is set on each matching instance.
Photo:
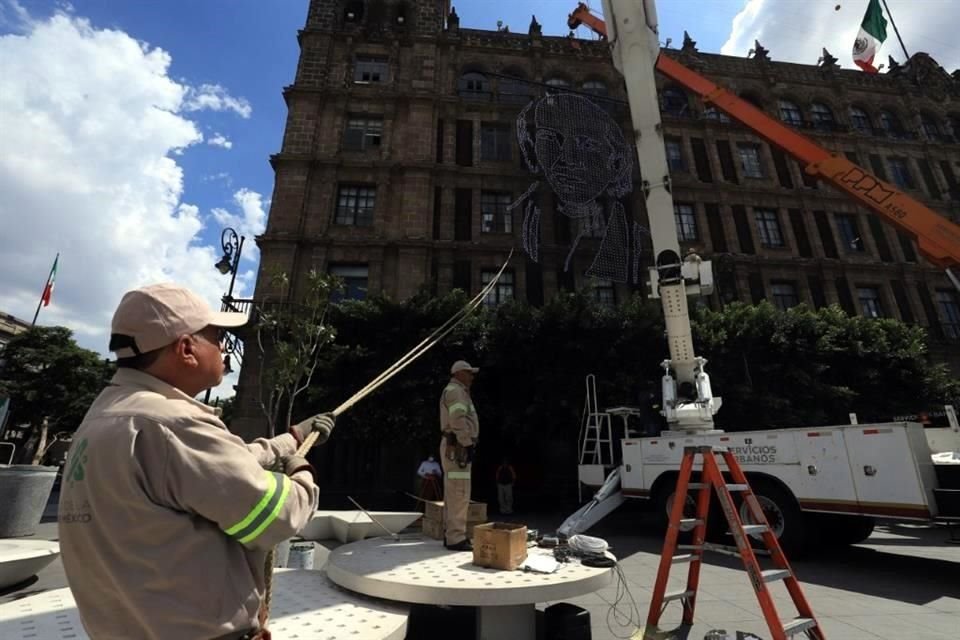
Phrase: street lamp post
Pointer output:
(232, 245)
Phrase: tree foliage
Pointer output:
(291, 338)
(772, 368)
(48, 376)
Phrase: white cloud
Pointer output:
(796, 31)
(220, 140)
(250, 221)
(90, 125)
(216, 98)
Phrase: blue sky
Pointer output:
(132, 131)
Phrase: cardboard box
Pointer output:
(434, 528)
(476, 512)
(500, 545)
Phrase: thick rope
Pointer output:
(425, 345)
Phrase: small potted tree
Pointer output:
(50, 382)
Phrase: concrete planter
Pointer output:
(24, 492)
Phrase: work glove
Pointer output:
(322, 423)
(294, 464)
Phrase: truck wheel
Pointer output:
(783, 514)
(663, 504)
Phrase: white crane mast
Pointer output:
(688, 402)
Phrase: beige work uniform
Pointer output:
(459, 416)
(166, 517)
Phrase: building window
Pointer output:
(686, 220)
(954, 121)
(712, 113)
(850, 233)
(495, 142)
(790, 113)
(930, 127)
(675, 154)
(750, 160)
(860, 121)
(768, 224)
(557, 83)
(514, 90)
(900, 172)
(822, 116)
(674, 101)
(870, 302)
(890, 124)
(589, 226)
(355, 205)
(784, 295)
(950, 310)
(604, 293)
(371, 70)
(493, 212)
(595, 88)
(363, 132)
(503, 290)
(474, 86)
(354, 278)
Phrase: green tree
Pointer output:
(50, 380)
(291, 338)
(804, 367)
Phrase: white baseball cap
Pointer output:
(152, 317)
(462, 365)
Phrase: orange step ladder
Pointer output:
(712, 480)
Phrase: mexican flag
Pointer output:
(48, 290)
(873, 31)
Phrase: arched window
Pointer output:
(558, 83)
(674, 101)
(860, 121)
(931, 128)
(513, 89)
(822, 116)
(712, 113)
(890, 123)
(790, 112)
(595, 88)
(954, 121)
(474, 86)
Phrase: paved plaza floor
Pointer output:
(901, 584)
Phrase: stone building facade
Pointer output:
(400, 156)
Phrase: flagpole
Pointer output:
(40, 302)
(895, 30)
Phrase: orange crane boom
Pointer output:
(938, 239)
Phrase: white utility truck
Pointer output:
(824, 483)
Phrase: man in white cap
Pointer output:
(460, 427)
(165, 516)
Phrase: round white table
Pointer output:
(306, 605)
(420, 570)
(22, 558)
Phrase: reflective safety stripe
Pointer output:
(458, 407)
(458, 475)
(265, 511)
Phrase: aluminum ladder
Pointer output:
(712, 480)
(596, 430)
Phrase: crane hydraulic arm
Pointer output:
(937, 238)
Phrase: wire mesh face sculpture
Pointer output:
(582, 154)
